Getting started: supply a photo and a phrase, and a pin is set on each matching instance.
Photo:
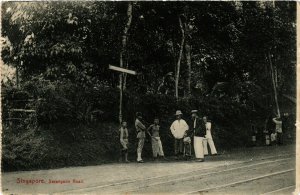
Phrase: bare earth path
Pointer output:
(259, 170)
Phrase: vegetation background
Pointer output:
(233, 61)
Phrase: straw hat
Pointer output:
(178, 112)
(194, 111)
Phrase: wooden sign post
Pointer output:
(122, 71)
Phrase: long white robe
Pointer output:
(208, 139)
(198, 147)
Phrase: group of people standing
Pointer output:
(196, 134)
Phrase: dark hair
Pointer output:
(138, 114)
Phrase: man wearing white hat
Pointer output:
(199, 134)
(178, 129)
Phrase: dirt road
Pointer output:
(260, 170)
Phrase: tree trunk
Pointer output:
(276, 76)
(274, 85)
(121, 90)
(188, 62)
(174, 55)
(125, 75)
(123, 49)
(17, 76)
(179, 58)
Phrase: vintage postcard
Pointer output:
(149, 97)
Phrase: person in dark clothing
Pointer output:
(199, 131)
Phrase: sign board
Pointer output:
(122, 70)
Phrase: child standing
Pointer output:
(273, 138)
(124, 141)
(187, 149)
(157, 148)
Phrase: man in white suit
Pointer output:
(208, 138)
(178, 129)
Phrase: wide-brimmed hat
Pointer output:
(178, 112)
(194, 111)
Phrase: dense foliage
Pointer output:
(61, 51)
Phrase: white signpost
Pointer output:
(122, 71)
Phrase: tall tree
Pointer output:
(189, 29)
(273, 78)
(177, 76)
(189, 65)
(122, 55)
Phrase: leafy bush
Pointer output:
(23, 150)
(77, 126)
